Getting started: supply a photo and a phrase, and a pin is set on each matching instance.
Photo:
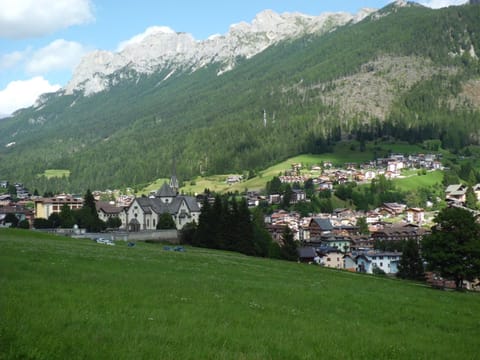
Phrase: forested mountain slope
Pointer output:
(408, 72)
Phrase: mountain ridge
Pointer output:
(164, 47)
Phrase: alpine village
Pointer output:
(338, 154)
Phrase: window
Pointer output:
(381, 264)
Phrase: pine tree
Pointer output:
(288, 251)
(471, 199)
(245, 229)
(203, 234)
(67, 219)
(261, 238)
(89, 202)
(230, 229)
(165, 222)
(453, 247)
(411, 263)
(216, 221)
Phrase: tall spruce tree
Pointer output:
(471, 199)
(245, 229)
(411, 263)
(230, 228)
(261, 237)
(203, 233)
(89, 203)
(453, 247)
(217, 220)
(288, 250)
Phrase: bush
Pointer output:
(24, 224)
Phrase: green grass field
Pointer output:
(51, 173)
(62, 298)
(415, 181)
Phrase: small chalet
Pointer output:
(456, 192)
(330, 257)
(392, 209)
(385, 261)
(276, 232)
(341, 243)
(318, 227)
(298, 195)
(108, 209)
(306, 254)
(342, 213)
(415, 215)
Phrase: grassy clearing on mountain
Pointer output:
(58, 173)
(65, 298)
(344, 152)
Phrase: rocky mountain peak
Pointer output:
(161, 47)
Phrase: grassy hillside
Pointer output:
(343, 152)
(63, 298)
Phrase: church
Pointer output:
(144, 212)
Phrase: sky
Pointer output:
(42, 41)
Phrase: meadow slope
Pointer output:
(74, 299)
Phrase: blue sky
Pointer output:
(41, 41)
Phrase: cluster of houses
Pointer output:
(334, 240)
(326, 175)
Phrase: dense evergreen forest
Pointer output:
(214, 124)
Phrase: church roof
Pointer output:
(165, 191)
(158, 206)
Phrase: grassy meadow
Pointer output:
(62, 298)
(51, 173)
(344, 152)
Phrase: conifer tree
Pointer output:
(216, 222)
(165, 222)
(453, 247)
(245, 229)
(288, 251)
(471, 199)
(230, 228)
(203, 234)
(89, 202)
(411, 263)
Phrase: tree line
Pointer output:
(228, 224)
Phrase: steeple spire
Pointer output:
(173, 180)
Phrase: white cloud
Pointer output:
(21, 94)
(140, 37)
(11, 60)
(32, 18)
(58, 55)
(437, 4)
